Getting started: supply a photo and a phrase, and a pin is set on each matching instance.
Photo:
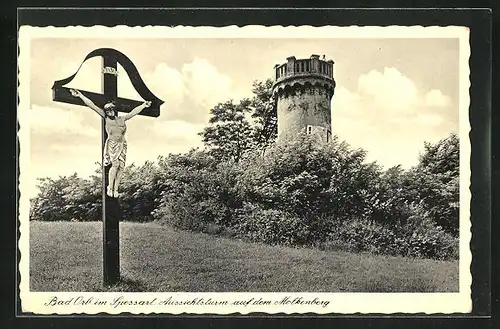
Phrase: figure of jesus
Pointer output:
(115, 147)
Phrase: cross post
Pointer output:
(111, 210)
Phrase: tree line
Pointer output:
(298, 193)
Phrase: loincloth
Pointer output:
(115, 151)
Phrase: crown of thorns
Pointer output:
(110, 105)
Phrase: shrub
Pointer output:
(195, 196)
(273, 227)
(139, 191)
(67, 198)
(184, 212)
(435, 182)
(426, 239)
(417, 236)
(304, 178)
(362, 235)
(298, 193)
(279, 227)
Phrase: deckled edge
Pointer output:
(27, 32)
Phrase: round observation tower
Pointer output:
(303, 91)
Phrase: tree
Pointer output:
(82, 198)
(435, 181)
(49, 202)
(442, 158)
(140, 191)
(198, 192)
(264, 114)
(66, 198)
(229, 134)
(306, 179)
(236, 128)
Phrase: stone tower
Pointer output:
(303, 91)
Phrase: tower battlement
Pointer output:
(312, 67)
(303, 90)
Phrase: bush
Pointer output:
(425, 239)
(362, 235)
(195, 196)
(304, 178)
(417, 236)
(279, 227)
(140, 191)
(67, 198)
(273, 227)
(184, 212)
(435, 182)
(298, 193)
(80, 199)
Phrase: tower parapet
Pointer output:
(303, 90)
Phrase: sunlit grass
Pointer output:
(67, 256)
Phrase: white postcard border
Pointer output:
(320, 303)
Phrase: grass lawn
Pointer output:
(67, 256)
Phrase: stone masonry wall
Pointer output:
(305, 105)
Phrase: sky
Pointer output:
(391, 95)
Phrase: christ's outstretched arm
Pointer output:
(88, 102)
(136, 110)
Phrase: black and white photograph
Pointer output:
(174, 169)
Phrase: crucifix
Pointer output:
(107, 104)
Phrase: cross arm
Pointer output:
(63, 94)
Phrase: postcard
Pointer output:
(233, 170)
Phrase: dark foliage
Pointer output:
(298, 192)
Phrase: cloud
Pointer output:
(204, 80)
(176, 128)
(430, 119)
(64, 141)
(165, 82)
(88, 77)
(395, 91)
(189, 91)
(345, 100)
(58, 121)
(161, 138)
(61, 142)
(390, 117)
(436, 98)
(389, 111)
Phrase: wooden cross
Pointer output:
(111, 212)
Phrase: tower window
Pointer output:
(328, 136)
(309, 130)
